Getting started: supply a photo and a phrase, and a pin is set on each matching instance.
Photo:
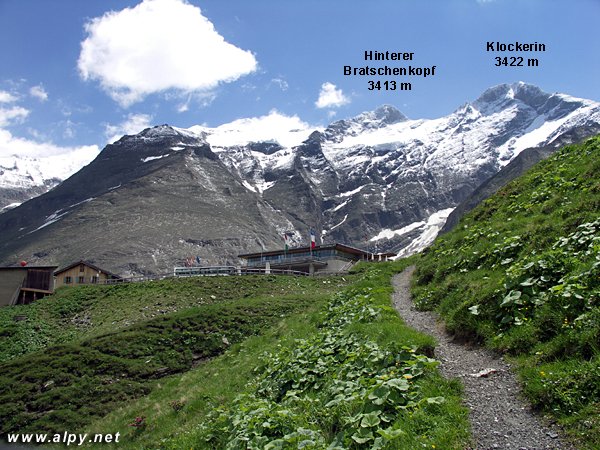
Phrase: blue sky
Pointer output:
(75, 74)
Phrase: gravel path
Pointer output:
(500, 419)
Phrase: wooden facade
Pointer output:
(82, 272)
(20, 285)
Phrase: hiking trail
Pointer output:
(500, 417)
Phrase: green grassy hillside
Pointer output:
(78, 312)
(92, 369)
(522, 273)
(233, 362)
(347, 375)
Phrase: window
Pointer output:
(81, 267)
(94, 279)
(81, 280)
(68, 280)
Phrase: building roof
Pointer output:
(291, 251)
(90, 265)
(28, 267)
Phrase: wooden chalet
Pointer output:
(329, 258)
(82, 272)
(24, 284)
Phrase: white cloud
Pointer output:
(38, 92)
(287, 131)
(11, 145)
(331, 97)
(156, 46)
(280, 83)
(11, 115)
(37, 159)
(7, 97)
(69, 131)
(133, 124)
(202, 99)
(183, 107)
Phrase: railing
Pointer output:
(288, 260)
(247, 271)
(204, 271)
(347, 266)
(230, 270)
(134, 279)
(296, 259)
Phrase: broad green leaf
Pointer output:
(391, 433)
(362, 436)
(511, 298)
(370, 420)
(379, 395)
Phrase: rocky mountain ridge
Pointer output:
(379, 181)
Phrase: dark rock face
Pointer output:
(378, 181)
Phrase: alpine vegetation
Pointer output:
(521, 273)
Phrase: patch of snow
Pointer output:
(431, 229)
(263, 186)
(152, 158)
(352, 192)
(54, 217)
(81, 202)
(541, 132)
(340, 206)
(248, 186)
(337, 225)
(283, 159)
(57, 215)
(389, 234)
(197, 131)
(10, 206)
(177, 148)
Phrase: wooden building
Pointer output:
(20, 285)
(330, 258)
(82, 272)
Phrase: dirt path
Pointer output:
(500, 419)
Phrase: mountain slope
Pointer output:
(522, 273)
(378, 180)
(172, 196)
